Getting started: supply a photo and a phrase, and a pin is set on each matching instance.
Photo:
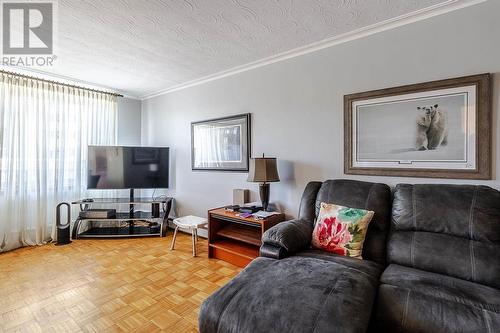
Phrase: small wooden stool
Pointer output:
(192, 223)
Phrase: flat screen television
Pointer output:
(119, 167)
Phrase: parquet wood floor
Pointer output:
(111, 285)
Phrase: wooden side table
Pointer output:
(235, 239)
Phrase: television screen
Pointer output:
(117, 167)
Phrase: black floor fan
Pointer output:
(63, 230)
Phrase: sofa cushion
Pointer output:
(362, 195)
(448, 229)
(297, 294)
(341, 229)
(367, 267)
(412, 300)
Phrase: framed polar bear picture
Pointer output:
(439, 129)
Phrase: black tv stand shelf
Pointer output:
(131, 223)
(105, 232)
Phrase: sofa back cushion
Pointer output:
(307, 209)
(447, 229)
(362, 195)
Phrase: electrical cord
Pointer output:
(160, 197)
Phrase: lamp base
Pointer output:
(264, 195)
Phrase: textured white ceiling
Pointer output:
(140, 47)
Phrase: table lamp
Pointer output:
(263, 170)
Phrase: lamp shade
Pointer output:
(263, 170)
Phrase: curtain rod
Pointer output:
(59, 83)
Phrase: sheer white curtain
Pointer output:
(45, 129)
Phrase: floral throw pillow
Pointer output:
(341, 230)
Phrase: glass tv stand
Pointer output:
(130, 223)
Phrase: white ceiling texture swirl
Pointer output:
(145, 47)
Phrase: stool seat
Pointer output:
(192, 223)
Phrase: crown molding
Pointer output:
(419, 15)
(64, 79)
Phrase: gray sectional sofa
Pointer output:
(431, 264)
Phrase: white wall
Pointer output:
(129, 121)
(297, 104)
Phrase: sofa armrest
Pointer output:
(286, 238)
